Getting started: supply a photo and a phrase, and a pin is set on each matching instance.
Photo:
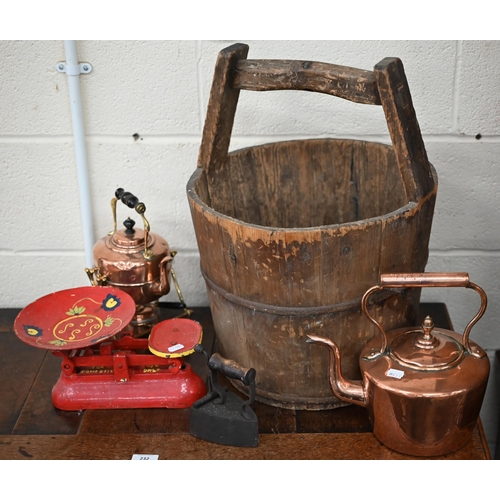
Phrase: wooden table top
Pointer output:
(31, 428)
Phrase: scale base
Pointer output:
(100, 391)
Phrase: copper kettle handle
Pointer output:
(420, 280)
(132, 202)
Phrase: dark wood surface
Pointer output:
(31, 428)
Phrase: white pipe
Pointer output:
(80, 148)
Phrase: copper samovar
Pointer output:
(138, 262)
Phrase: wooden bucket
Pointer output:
(291, 234)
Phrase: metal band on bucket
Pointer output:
(348, 305)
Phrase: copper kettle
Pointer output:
(423, 387)
(136, 261)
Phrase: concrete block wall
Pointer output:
(159, 90)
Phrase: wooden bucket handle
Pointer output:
(386, 86)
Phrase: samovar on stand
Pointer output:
(138, 262)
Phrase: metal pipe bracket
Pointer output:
(74, 69)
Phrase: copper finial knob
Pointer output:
(427, 327)
(427, 340)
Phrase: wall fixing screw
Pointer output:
(85, 68)
(61, 66)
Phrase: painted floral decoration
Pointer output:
(33, 331)
(111, 302)
(75, 311)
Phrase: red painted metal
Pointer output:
(103, 366)
(122, 373)
(74, 318)
(174, 338)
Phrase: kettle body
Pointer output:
(423, 387)
(120, 258)
(429, 413)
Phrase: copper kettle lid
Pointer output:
(129, 238)
(425, 349)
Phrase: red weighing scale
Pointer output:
(103, 365)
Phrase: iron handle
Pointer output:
(421, 280)
(232, 369)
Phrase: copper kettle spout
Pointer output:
(346, 390)
(162, 287)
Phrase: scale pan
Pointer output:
(175, 337)
(74, 318)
